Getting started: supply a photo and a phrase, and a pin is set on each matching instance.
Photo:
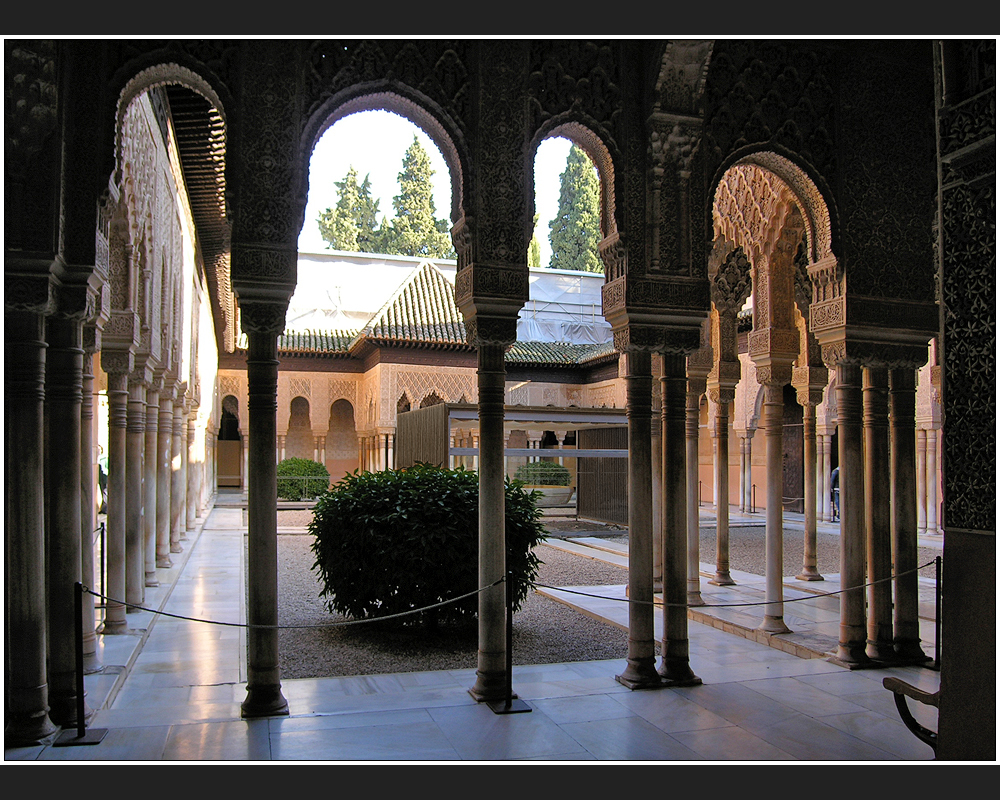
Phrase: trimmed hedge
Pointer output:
(298, 469)
(393, 541)
(543, 473)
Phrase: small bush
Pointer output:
(393, 541)
(543, 473)
(291, 475)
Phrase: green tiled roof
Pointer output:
(556, 353)
(421, 311)
(315, 342)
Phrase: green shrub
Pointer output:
(543, 473)
(393, 541)
(292, 479)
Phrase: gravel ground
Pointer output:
(545, 631)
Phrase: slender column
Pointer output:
(675, 667)
(149, 483)
(824, 478)
(877, 514)
(773, 413)
(191, 509)
(743, 469)
(25, 680)
(114, 611)
(63, 399)
(748, 476)
(902, 404)
(640, 671)
(922, 480)
(264, 697)
(390, 456)
(164, 444)
(809, 570)
(492, 659)
(91, 660)
(932, 481)
(656, 461)
(178, 480)
(135, 540)
(851, 647)
(721, 396)
(281, 449)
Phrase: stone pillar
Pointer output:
(91, 660)
(164, 446)
(932, 481)
(877, 514)
(178, 480)
(773, 414)
(825, 470)
(63, 400)
(390, 455)
(675, 393)
(281, 449)
(721, 396)
(656, 460)
(492, 667)
(135, 540)
(640, 671)
(25, 679)
(743, 469)
(264, 697)
(922, 480)
(902, 422)
(809, 566)
(114, 610)
(851, 645)
(151, 470)
(748, 499)
(193, 469)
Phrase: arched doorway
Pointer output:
(229, 448)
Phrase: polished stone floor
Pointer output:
(170, 690)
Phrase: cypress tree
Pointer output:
(575, 231)
(352, 225)
(415, 230)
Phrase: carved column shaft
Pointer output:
(492, 658)
(26, 681)
(193, 469)
(877, 513)
(902, 422)
(178, 477)
(691, 427)
(640, 670)
(773, 414)
(88, 522)
(164, 447)
(150, 484)
(114, 612)
(809, 563)
(135, 539)
(922, 480)
(722, 396)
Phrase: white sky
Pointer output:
(374, 142)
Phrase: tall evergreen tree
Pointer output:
(352, 225)
(575, 231)
(534, 248)
(415, 230)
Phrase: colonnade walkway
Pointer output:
(171, 689)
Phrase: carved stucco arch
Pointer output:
(417, 111)
(595, 148)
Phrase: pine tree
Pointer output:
(415, 230)
(352, 225)
(534, 248)
(575, 231)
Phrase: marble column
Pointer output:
(656, 459)
(675, 667)
(63, 400)
(773, 414)
(264, 696)
(88, 506)
(902, 404)
(151, 469)
(748, 499)
(852, 638)
(491, 671)
(877, 513)
(825, 471)
(922, 480)
(193, 468)
(809, 563)
(743, 470)
(692, 407)
(135, 539)
(164, 447)
(178, 480)
(640, 670)
(932, 481)
(721, 397)
(114, 610)
(25, 681)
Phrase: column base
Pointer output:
(774, 625)
(151, 580)
(113, 627)
(176, 548)
(640, 674)
(908, 651)
(63, 711)
(490, 686)
(164, 562)
(677, 672)
(29, 730)
(264, 701)
(695, 599)
(809, 574)
(851, 656)
(722, 579)
(882, 653)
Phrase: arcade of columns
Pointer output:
(658, 292)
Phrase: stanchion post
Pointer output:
(937, 612)
(83, 736)
(510, 705)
